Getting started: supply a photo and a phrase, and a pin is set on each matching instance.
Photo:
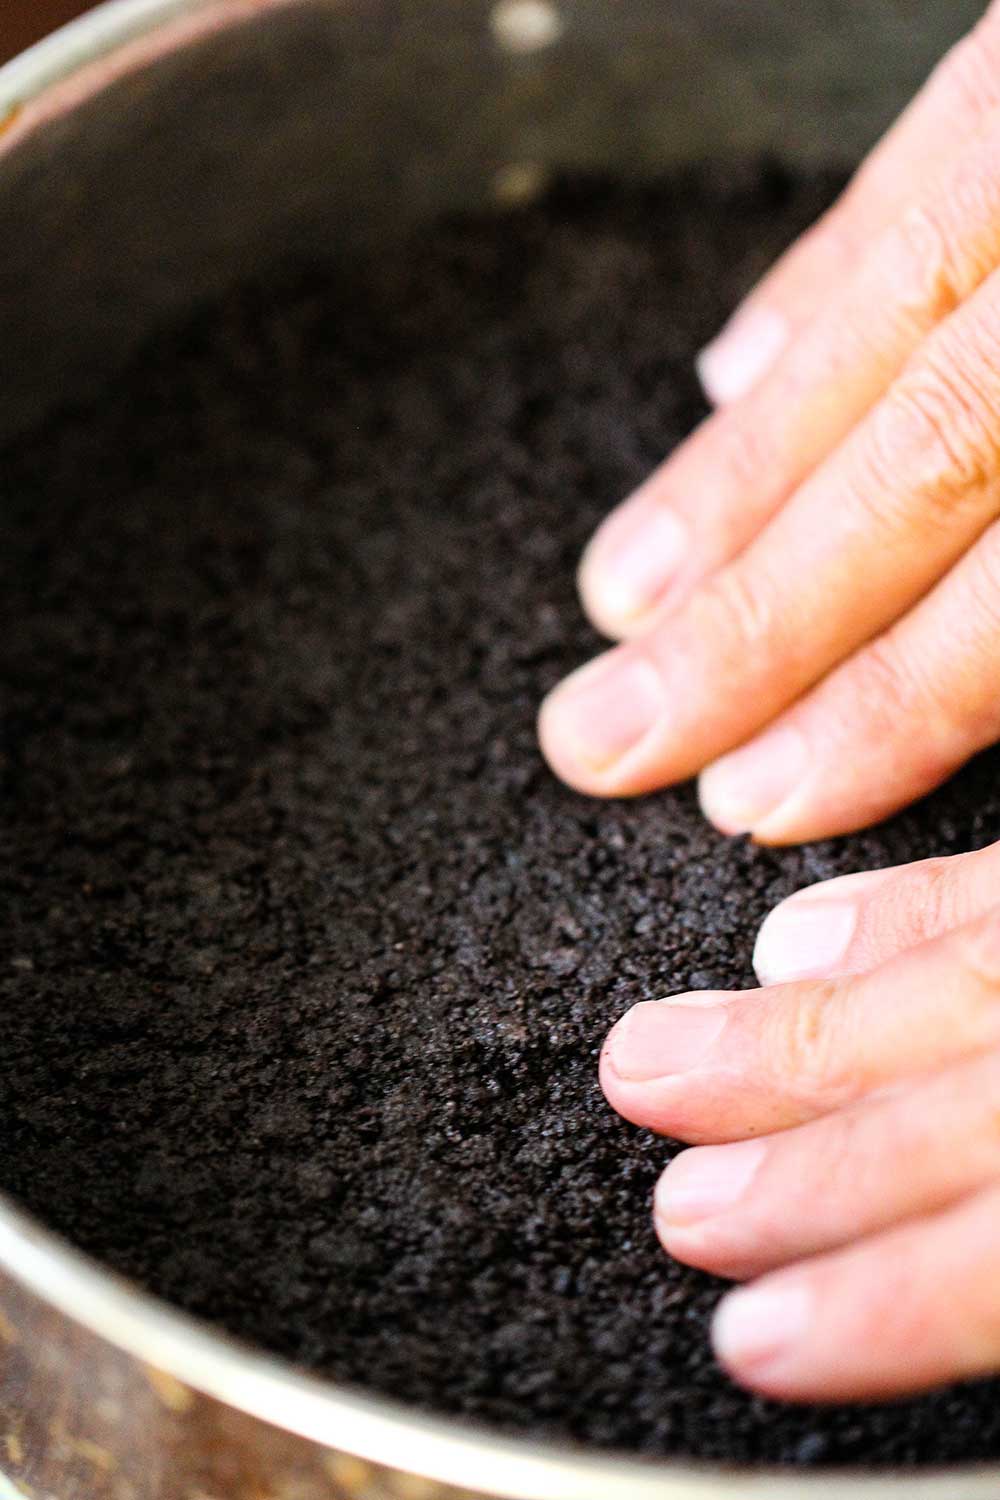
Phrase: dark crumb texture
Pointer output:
(306, 957)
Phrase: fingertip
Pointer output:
(687, 1244)
(551, 739)
(627, 1100)
(813, 933)
(594, 726)
(630, 563)
(748, 790)
(804, 938)
(760, 1334)
(606, 1066)
(638, 1102)
(715, 810)
(734, 362)
(698, 1208)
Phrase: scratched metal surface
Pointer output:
(334, 123)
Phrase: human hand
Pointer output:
(814, 577)
(847, 1129)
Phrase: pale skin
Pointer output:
(807, 600)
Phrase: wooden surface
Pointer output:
(25, 21)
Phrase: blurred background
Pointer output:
(25, 21)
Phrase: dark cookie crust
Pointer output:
(306, 957)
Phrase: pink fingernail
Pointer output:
(733, 363)
(762, 1325)
(801, 939)
(702, 1183)
(605, 709)
(633, 559)
(739, 791)
(663, 1037)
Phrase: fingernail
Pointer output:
(804, 938)
(663, 1037)
(708, 1181)
(739, 791)
(633, 559)
(734, 362)
(605, 709)
(762, 1324)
